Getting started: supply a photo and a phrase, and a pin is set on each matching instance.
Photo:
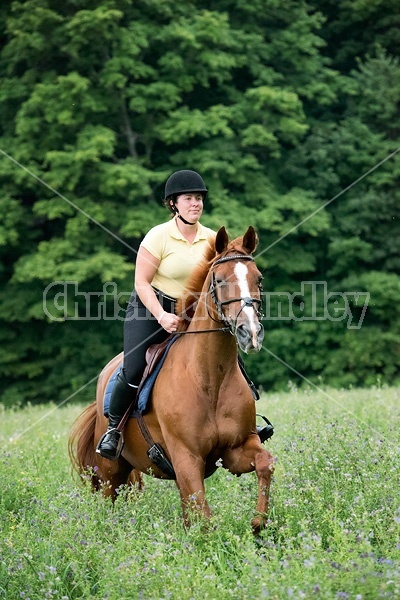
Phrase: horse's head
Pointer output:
(236, 288)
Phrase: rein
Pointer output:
(204, 330)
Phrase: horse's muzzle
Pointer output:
(250, 339)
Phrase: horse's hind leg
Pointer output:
(112, 475)
(135, 479)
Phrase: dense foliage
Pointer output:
(281, 106)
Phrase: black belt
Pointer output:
(161, 294)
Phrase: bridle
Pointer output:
(212, 291)
(254, 303)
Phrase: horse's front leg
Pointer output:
(248, 457)
(190, 481)
(264, 466)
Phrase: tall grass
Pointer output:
(333, 530)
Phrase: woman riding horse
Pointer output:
(202, 412)
(166, 258)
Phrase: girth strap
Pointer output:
(155, 451)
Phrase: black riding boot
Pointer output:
(111, 443)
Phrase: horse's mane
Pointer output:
(187, 302)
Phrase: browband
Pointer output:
(232, 257)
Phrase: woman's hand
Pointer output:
(169, 322)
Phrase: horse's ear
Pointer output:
(250, 240)
(221, 241)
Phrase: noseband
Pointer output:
(247, 301)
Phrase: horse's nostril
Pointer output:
(250, 339)
(243, 332)
(244, 337)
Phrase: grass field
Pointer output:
(333, 530)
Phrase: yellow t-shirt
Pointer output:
(176, 255)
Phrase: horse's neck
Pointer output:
(217, 350)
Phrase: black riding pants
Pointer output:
(141, 330)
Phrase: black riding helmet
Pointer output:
(182, 182)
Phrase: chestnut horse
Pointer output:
(202, 410)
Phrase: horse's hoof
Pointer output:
(257, 524)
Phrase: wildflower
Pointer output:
(309, 562)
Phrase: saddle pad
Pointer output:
(145, 389)
(109, 389)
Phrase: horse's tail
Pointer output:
(81, 444)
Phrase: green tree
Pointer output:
(101, 101)
(360, 251)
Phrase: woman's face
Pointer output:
(190, 206)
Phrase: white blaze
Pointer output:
(241, 274)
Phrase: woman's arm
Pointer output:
(146, 268)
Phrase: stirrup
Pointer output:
(118, 449)
(266, 432)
